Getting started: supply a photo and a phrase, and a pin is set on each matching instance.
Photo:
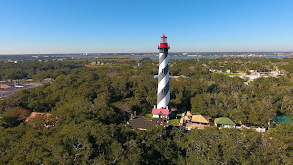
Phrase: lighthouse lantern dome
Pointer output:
(164, 39)
(164, 43)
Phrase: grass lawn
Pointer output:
(232, 74)
(148, 115)
(175, 122)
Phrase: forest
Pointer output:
(89, 107)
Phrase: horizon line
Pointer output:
(150, 52)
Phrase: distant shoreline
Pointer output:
(172, 55)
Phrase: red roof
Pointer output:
(160, 111)
(163, 36)
(22, 113)
(20, 110)
(264, 73)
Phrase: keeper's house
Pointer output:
(224, 122)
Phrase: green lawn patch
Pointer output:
(175, 122)
(148, 115)
(232, 74)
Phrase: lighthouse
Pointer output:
(163, 94)
(163, 97)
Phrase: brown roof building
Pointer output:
(200, 122)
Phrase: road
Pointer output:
(10, 91)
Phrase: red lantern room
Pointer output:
(164, 43)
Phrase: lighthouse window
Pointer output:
(163, 40)
(165, 70)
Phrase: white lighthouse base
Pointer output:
(160, 116)
(161, 113)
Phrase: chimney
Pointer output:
(134, 113)
(154, 106)
(167, 107)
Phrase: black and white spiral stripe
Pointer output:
(163, 98)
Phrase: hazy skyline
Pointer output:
(75, 26)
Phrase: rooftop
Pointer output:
(160, 111)
(200, 119)
(224, 120)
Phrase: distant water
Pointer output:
(210, 57)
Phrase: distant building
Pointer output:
(46, 80)
(96, 63)
(224, 122)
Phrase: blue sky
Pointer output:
(72, 26)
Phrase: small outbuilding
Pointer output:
(160, 113)
(199, 121)
(224, 122)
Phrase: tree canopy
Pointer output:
(92, 105)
